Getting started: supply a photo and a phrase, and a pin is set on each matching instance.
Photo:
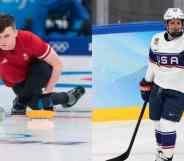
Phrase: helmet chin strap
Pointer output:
(174, 35)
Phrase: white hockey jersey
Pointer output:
(166, 62)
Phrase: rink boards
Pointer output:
(120, 56)
(112, 114)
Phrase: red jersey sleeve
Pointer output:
(40, 48)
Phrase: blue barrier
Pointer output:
(128, 27)
(72, 45)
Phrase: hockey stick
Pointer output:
(125, 155)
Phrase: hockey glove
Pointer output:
(145, 89)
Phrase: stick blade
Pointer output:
(122, 157)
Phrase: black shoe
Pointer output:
(18, 108)
(49, 108)
(74, 96)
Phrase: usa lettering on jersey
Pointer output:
(167, 60)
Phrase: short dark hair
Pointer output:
(6, 20)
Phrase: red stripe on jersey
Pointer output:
(46, 53)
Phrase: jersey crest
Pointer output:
(25, 56)
(156, 41)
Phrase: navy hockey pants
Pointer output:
(166, 103)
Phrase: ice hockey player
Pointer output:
(28, 65)
(163, 85)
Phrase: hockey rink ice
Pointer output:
(111, 139)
